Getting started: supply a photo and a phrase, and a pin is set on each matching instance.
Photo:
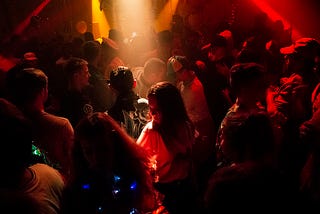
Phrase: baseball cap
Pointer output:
(121, 79)
(30, 56)
(176, 63)
(300, 46)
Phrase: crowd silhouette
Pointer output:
(195, 123)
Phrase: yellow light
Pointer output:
(129, 16)
(100, 25)
(133, 16)
(163, 22)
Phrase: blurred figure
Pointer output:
(249, 86)
(168, 141)
(88, 36)
(125, 108)
(195, 102)
(154, 71)
(213, 72)
(29, 60)
(36, 188)
(310, 136)
(163, 47)
(102, 96)
(140, 49)
(290, 104)
(250, 183)
(118, 38)
(76, 101)
(110, 57)
(280, 34)
(110, 173)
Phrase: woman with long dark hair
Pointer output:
(168, 140)
(110, 172)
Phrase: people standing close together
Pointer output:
(155, 138)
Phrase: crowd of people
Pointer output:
(191, 123)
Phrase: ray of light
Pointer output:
(25, 23)
(264, 6)
(163, 21)
(100, 25)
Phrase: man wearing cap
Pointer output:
(292, 99)
(213, 72)
(290, 105)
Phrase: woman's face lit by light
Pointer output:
(154, 110)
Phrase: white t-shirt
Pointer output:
(46, 187)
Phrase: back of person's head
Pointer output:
(121, 79)
(30, 60)
(248, 55)
(169, 102)
(109, 47)
(27, 84)
(88, 36)
(73, 65)
(176, 64)
(252, 50)
(115, 35)
(245, 75)
(104, 149)
(165, 37)
(177, 23)
(94, 134)
(16, 143)
(218, 41)
(155, 69)
(91, 50)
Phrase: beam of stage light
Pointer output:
(25, 23)
(133, 16)
(100, 25)
(163, 21)
(274, 15)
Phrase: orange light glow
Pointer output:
(163, 22)
(133, 17)
(100, 25)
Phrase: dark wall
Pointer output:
(58, 16)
